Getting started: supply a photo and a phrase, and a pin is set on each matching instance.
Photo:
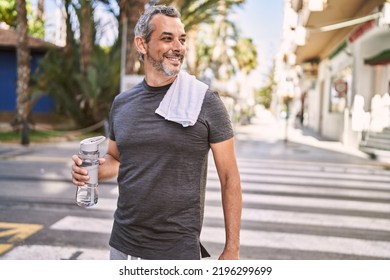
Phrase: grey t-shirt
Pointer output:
(162, 174)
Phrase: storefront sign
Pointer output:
(359, 31)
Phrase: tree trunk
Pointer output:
(40, 9)
(131, 11)
(68, 49)
(86, 38)
(23, 72)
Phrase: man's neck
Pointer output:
(159, 80)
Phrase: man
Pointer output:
(161, 165)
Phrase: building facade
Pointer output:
(8, 72)
(336, 53)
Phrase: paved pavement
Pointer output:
(266, 137)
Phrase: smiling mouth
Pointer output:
(174, 59)
(177, 59)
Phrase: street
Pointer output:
(303, 199)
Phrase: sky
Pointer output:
(260, 20)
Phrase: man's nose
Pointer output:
(178, 45)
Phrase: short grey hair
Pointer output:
(144, 29)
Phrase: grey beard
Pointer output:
(162, 67)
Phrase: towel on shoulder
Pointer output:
(183, 101)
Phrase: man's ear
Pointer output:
(140, 44)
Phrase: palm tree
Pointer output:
(8, 13)
(246, 54)
(130, 10)
(85, 16)
(38, 24)
(83, 77)
(84, 10)
(196, 12)
(23, 72)
(221, 49)
(40, 9)
(70, 41)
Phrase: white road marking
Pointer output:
(303, 242)
(254, 238)
(45, 252)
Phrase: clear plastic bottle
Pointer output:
(88, 194)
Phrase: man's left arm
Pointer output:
(226, 164)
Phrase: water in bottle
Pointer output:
(87, 195)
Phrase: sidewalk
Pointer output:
(51, 150)
(265, 137)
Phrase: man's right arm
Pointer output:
(108, 166)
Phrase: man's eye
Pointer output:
(183, 41)
(167, 39)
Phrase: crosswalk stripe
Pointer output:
(299, 218)
(322, 203)
(307, 181)
(314, 174)
(85, 224)
(255, 238)
(307, 190)
(46, 252)
(313, 165)
(313, 170)
(304, 242)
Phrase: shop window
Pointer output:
(341, 84)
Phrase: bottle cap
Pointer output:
(91, 144)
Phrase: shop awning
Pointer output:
(379, 59)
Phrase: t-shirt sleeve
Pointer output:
(217, 118)
(111, 123)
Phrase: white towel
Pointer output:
(183, 100)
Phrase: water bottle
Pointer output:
(87, 195)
